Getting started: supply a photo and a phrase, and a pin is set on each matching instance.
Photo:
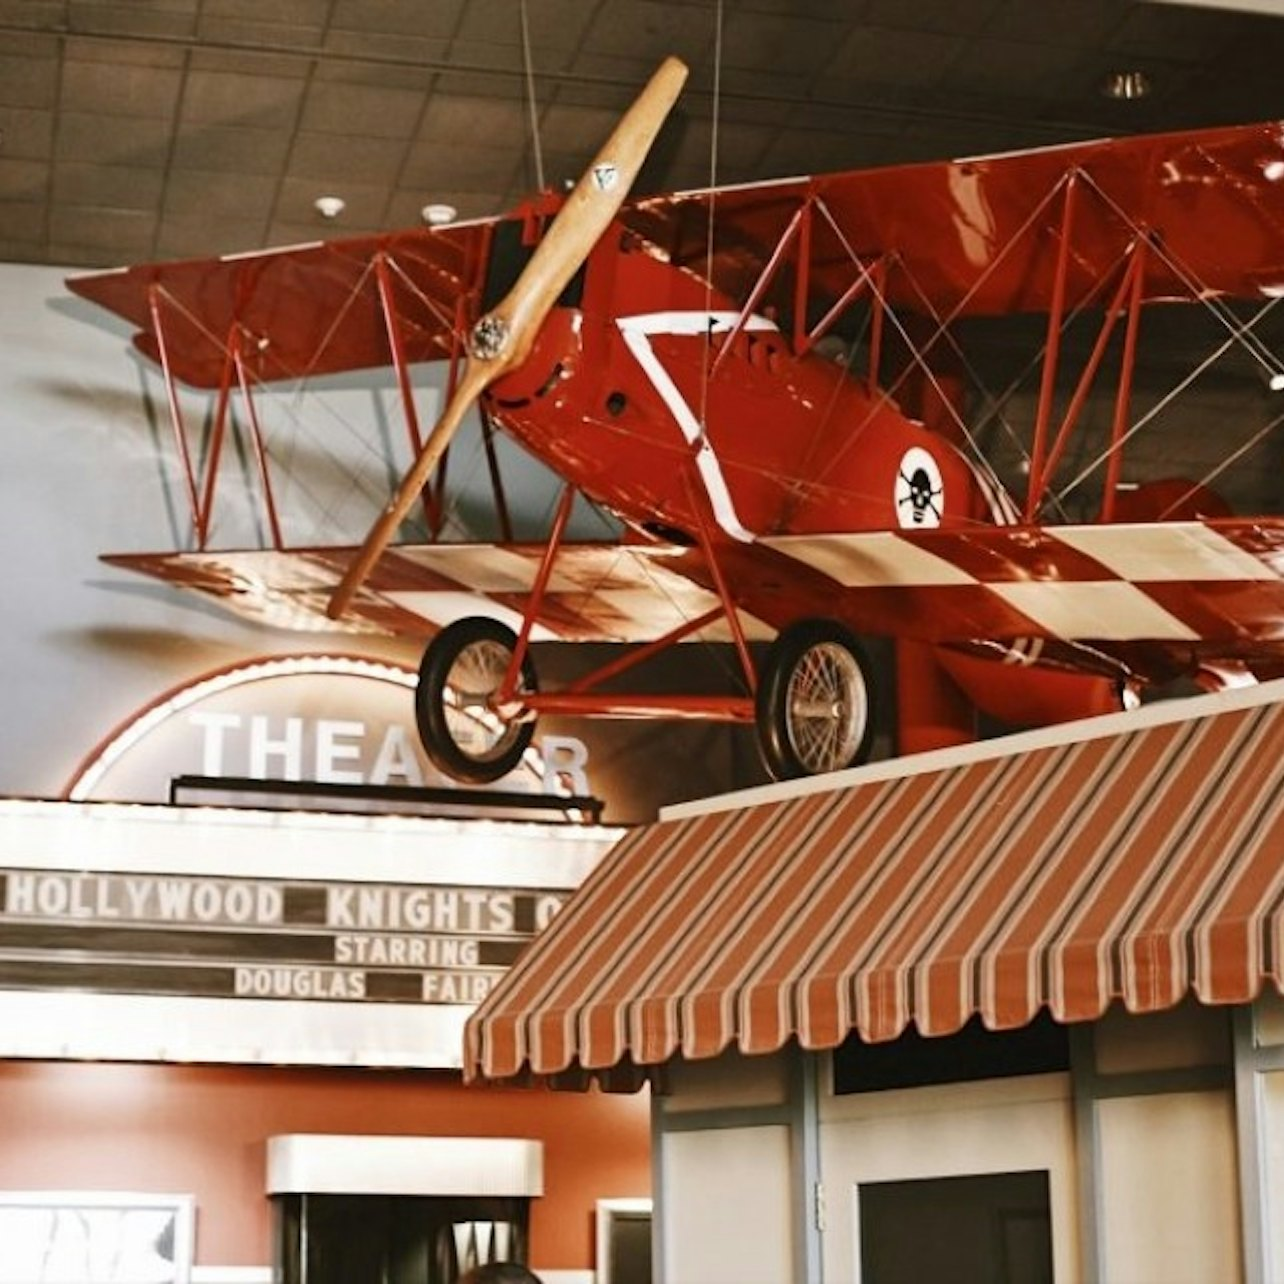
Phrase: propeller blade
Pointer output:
(502, 339)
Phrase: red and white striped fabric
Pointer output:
(1137, 858)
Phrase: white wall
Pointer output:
(1168, 1195)
(88, 466)
(727, 1206)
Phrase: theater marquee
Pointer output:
(196, 934)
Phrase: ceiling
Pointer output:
(143, 129)
(136, 129)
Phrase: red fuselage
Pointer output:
(632, 399)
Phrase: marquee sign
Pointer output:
(330, 719)
(161, 933)
(262, 938)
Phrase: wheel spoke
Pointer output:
(826, 707)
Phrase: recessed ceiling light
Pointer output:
(329, 206)
(1126, 85)
(438, 213)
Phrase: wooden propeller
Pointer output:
(502, 339)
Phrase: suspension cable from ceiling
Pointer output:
(528, 66)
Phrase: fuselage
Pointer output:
(656, 401)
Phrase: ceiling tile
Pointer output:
(25, 180)
(116, 186)
(1014, 69)
(231, 150)
(577, 130)
(34, 15)
(423, 53)
(228, 98)
(114, 140)
(337, 160)
(647, 31)
(365, 206)
(176, 18)
(125, 53)
(556, 27)
(783, 44)
(119, 91)
(1081, 23)
(25, 133)
(120, 234)
(362, 109)
(243, 196)
(22, 220)
(205, 233)
(285, 232)
(406, 206)
(453, 118)
(958, 17)
(438, 20)
(299, 13)
(433, 167)
(28, 82)
(877, 57)
(264, 29)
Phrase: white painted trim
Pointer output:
(329, 1163)
(637, 331)
(566, 1277)
(1161, 714)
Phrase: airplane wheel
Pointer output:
(814, 707)
(462, 669)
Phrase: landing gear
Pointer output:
(461, 674)
(814, 706)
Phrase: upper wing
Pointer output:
(981, 236)
(301, 310)
(599, 592)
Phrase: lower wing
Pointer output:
(598, 592)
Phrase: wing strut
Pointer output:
(502, 340)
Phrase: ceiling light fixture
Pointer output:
(1126, 85)
(437, 213)
(329, 206)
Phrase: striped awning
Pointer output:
(1137, 857)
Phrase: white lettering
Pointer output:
(406, 951)
(456, 987)
(212, 726)
(565, 764)
(396, 757)
(20, 894)
(289, 749)
(333, 743)
(501, 911)
(298, 983)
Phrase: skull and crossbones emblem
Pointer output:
(919, 491)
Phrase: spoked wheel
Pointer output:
(814, 707)
(461, 674)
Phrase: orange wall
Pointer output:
(203, 1130)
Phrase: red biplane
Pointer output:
(668, 357)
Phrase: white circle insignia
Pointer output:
(919, 491)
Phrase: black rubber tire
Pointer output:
(473, 747)
(820, 660)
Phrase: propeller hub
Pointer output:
(489, 337)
